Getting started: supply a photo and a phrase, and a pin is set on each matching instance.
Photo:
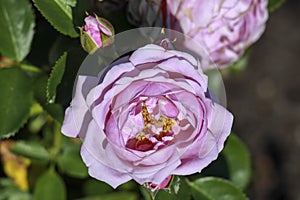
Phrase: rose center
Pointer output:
(155, 133)
(152, 127)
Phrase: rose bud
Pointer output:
(146, 117)
(97, 32)
(154, 187)
(225, 28)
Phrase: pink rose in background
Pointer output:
(95, 31)
(225, 28)
(146, 117)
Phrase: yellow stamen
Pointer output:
(188, 13)
(165, 123)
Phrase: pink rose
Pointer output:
(146, 117)
(94, 32)
(225, 28)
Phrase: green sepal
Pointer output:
(87, 42)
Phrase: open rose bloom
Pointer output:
(146, 117)
(225, 28)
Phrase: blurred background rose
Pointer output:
(265, 100)
(224, 28)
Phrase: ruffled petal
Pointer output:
(102, 172)
(77, 114)
(204, 151)
(220, 124)
(153, 53)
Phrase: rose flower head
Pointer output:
(96, 32)
(146, 117)
(225, 28)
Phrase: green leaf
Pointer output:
(14, 194)
(65, 88)
(56, 77)
(242, 63)
(49, 186)
(71, 163)
(6, 182)
(93, 187)
(130, 185)
(54, 110)
(274, 4)
(145, 193)
(32, 150)
(114, 196)
(30, 69)
(211, 188)
(17, 23)
(215, 83)
(9, 191)
(238, 161)
(72, 3)
(15, 100)
(180, 188)
(59, 14)
(164, 195)
(37, 122)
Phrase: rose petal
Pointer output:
(206, 150)
(102, 172)
(154, 53)
(185, 69)
(167, 108)
(111, 76)
(219, 124)
(77, 115)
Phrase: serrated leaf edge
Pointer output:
(49, 99)
(73, 35)
(14, 132)
(19, 57)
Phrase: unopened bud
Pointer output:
(97, 32)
